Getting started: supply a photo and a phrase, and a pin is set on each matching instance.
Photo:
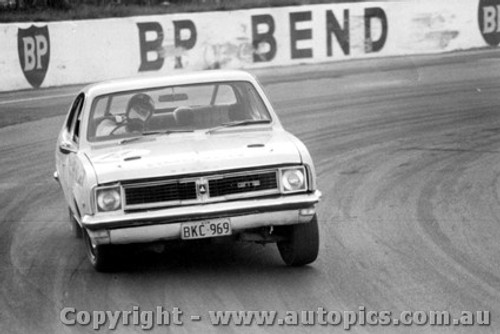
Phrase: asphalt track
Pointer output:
(408, 157)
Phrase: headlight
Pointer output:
(108, 199)
(293, 179)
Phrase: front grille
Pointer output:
(146, 194)
(160, 193)
(231, 185)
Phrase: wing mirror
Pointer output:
(67, 147)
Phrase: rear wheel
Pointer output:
(100, 256)
(301, 244)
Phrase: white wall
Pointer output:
(92, 50)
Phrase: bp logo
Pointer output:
(33, 46)
(489, 21)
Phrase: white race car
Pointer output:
(200, 155)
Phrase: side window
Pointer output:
(77, 118)
(78, 123)
(72, 112)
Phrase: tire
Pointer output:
(301, 246)
(76, 229)
(100, 256)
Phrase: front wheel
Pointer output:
(101, 256)
(301, 244)
(76, 230)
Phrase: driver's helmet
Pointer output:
(140, 107)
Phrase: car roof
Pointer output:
(152, 81)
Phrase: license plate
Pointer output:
(206, 229)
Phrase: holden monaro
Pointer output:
(190, 156)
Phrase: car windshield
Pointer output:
(175, 109)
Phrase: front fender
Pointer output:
(85, 180)
(306, 159)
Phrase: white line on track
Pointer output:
(36, 98)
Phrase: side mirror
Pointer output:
(67, 147)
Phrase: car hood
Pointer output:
(177, 154)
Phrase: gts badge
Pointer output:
(248, 184)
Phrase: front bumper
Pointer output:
(165, 224)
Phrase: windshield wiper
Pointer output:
(130, 140)
(166, 132)
(149, 133)
(238, 123)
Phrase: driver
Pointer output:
(140, 108)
